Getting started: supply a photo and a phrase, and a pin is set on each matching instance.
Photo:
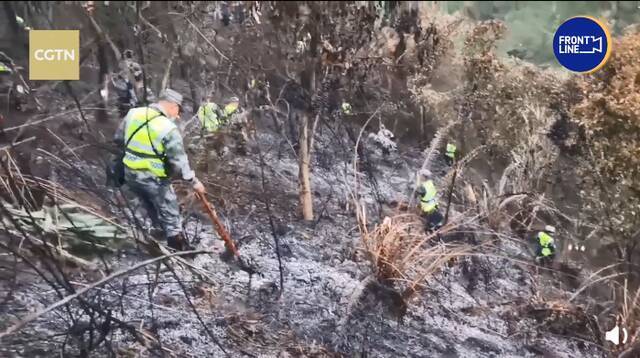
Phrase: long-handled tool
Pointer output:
(224, 234)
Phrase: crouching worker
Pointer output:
(429, 204)
(546, 248)
(450, 154)
(213, 118)
(154, 153)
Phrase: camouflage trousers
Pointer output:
(159, 200)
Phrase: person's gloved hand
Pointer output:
(198, 187)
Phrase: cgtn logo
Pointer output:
(54, 54)
(582, 44)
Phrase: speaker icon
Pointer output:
(613, 335)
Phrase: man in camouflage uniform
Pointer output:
(6, 80)
(129, 85)
(154, 152)
(213, 119)
(11, 87)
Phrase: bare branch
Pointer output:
(101, 282)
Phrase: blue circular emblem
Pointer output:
(582, 44)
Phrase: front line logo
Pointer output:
(582, 44)
(579, 44)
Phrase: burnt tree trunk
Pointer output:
(103, 80)
(304, 176)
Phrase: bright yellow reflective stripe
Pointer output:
(155, 166)
(132, 158)
(156, 131)
(143, 143)
(142, 147)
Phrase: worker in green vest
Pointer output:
(12, 92)
(6, 79)
(154, 154)
(450, 154)
(213, 118)
(346, 108)
(546, 248)
(4, 69)
(428, 195)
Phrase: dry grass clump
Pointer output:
(404, 256)
(629, 318)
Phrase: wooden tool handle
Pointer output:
(224, 234)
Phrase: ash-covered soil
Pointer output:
(477, 306)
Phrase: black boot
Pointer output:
(179, 243)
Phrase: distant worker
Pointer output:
(213, 118)
(22, 24)
(546, 248)
(6, 78)
(10, 87)
(450, 154)
(346, 109)
(4, 69)
(125, 92)
(129, 85)
(154, 153)
(6, 82)
(384, 139)
(429, 203)
(257, 92)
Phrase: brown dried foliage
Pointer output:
(496, 91)
(609, 114)
(610, 111)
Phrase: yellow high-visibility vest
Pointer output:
(451, 151)
(546, 241)
(211, 118)
(208, 116)
(140, 154)
(428, 201)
